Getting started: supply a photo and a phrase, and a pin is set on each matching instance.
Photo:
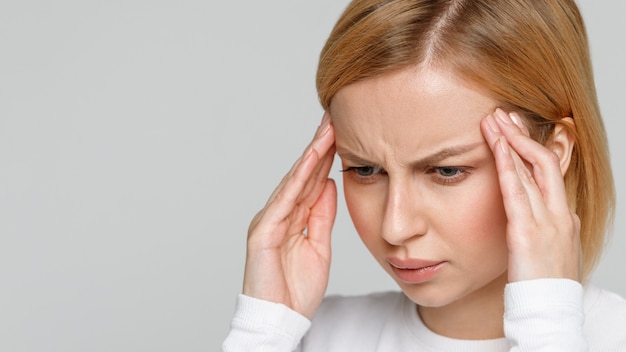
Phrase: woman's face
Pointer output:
(420, 182)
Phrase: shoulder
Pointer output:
(605, 319)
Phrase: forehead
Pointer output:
(412, 111)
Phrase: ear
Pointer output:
(562, 142)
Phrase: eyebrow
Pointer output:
(431, 159)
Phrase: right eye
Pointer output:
(364, 174)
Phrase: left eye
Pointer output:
(448, 175)
(448, 171)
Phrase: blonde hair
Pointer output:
(530, 55)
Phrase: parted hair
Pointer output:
(532, 56)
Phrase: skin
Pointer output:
(490, 210)
(407, 208)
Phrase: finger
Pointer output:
(318, 179)
(512, 132)
(515, 197)
(544, 163)
(290, 191)
(321, 132)
(299, 216)
(517, 120)
(282, 204)
(523, 200)
(273, 219)
(322, 217)
(517, 202)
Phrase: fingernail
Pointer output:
(516, 120)
(492, 123)
(504, 117)
(324, 123)
(504, 144)
(323, 127)
(326, 118)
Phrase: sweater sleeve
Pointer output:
(544, 315)
(260, 325)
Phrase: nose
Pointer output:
(404, 215)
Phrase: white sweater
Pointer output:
(540, 315)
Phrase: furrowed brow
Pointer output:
(345, 155)
(432, 159)
(445, 153)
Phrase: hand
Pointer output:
(288, 254)
(543, 234)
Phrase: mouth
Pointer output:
(415, 271)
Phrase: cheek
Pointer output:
(365, 210)
(483, 218)
(470, 219)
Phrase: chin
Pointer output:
(438, 293)
(430, 295)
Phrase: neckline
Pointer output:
(437, 342)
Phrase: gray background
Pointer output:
(138, 138)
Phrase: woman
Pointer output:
(476, 172)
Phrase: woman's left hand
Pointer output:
(543, 233)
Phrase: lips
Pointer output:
(411, 263)
(415, 271)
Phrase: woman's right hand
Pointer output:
(288, 253)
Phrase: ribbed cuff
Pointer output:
(544, 315)
(272, 323)
(532, 295)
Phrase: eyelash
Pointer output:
(353, 171)
(460, 173)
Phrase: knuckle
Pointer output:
(525, 175)
(551, 157)
(280, 197)
(255, 221)
(548, 157)
(517, 193)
